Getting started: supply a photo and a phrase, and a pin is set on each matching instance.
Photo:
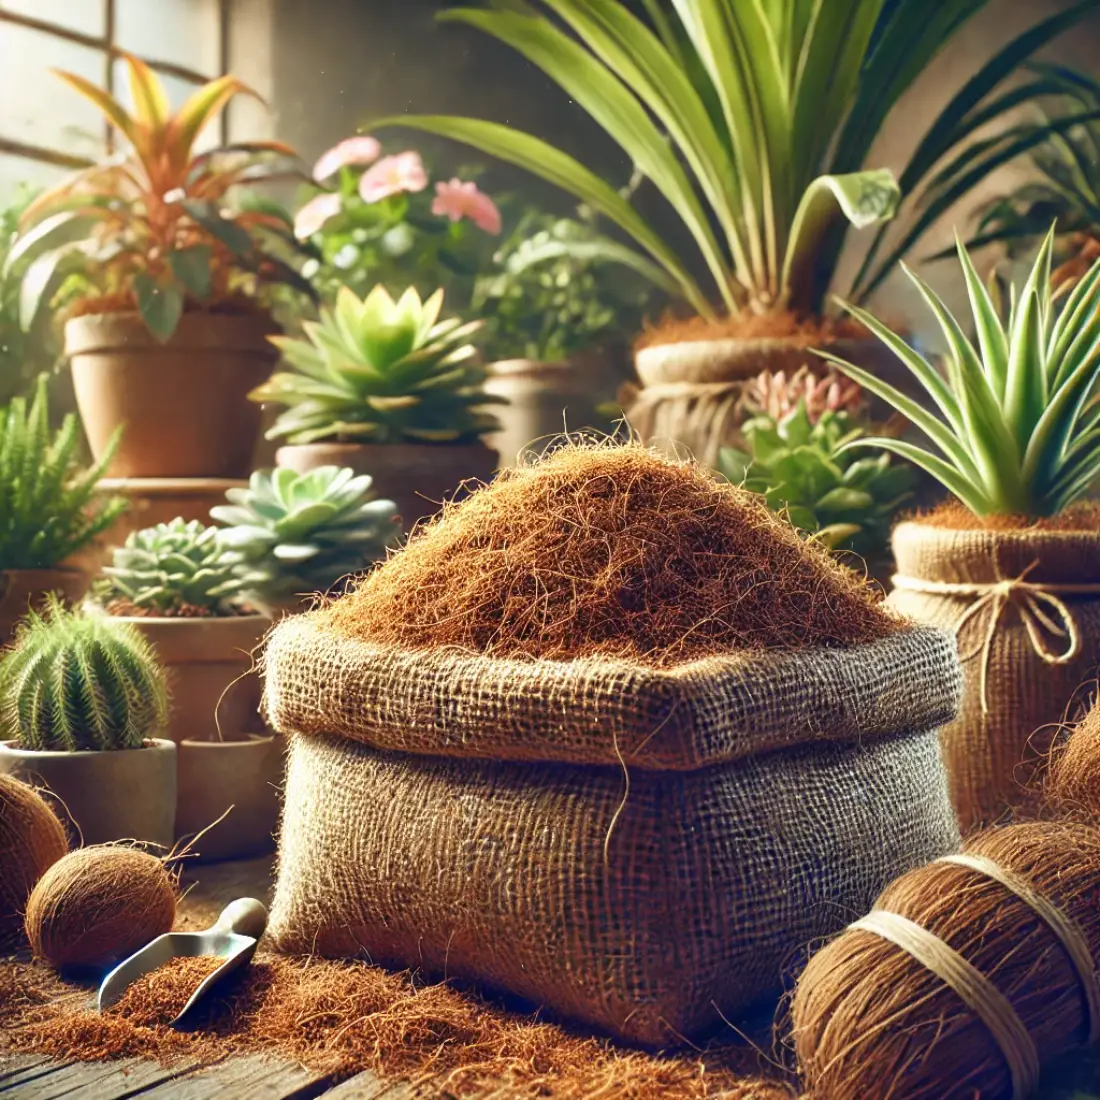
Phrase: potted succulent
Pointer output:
(82, 699)
(381, 218)
(556, 305)
(173, 584)
(166, 287)
(753, 122)
(290, 536)
(388, 389)
(798, 456)
(49, 512)
(1013, 566)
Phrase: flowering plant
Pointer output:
(380, 218)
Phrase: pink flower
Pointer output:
(353, 150)
(314, 214)
(459, 200)
(392, 175)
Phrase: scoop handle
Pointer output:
(243, 917)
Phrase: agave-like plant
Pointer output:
(290, 534)
(754, 120)
(1013, 425)
(151, 228)
(380, 371)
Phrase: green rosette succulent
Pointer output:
(291, 533)
(173, 567)
(72, 682)
(380, 371)
(800, 467)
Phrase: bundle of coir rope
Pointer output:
(607, 735)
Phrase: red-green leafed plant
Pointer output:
(154, 229)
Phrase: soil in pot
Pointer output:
(118, 794)
(240, 777)
(25, 589)
(184, 402)
(417, 477)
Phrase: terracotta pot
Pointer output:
(21, 589)
(544, 400)
(1020, 676)
(208, 662)
(691, 392)
(119, 794)
(184, 403)
(417, 477)
(245, 774)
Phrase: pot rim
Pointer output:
(998, 535)
(321, 444)
(161, 744)
(253, 741)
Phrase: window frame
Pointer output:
(106, 44)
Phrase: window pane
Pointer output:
(39, 108)
(177, 90)
(16, 171)
(184, 32)
(85, 16)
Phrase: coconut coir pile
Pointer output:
(161, 995)
(343, 1017)
(610, 551)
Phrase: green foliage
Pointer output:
(170, 567)
(559, 290)
(291, 533)
(1015, 429)
(803, 468)
(75, 682)
(379, 371)
(48, 504)
(753, 120)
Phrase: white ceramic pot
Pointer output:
(117, 794)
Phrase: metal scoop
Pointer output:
(233, 938)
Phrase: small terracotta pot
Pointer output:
(23, 589)
(118, 794)
(203, 658)
(245, 774)
(184, 403)
(417, 477)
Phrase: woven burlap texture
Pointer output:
(471, 817)
(993, 754)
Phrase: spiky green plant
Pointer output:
(293, 533)
(801, 467)
(172, 567)
(73, 682)
(48, 506)
(379, 371)
(1012, 425)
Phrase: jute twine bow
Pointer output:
(1038, 604)
(987, 1002)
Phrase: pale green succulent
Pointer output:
(291, 533)
(73, 682)
(379, 371)
(172, 566)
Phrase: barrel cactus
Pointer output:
(172, 568)
(73, 681)
(291, 533)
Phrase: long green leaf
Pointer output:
(556, 167)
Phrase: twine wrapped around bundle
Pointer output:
(966, 977)
(1025, 607)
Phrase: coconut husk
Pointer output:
(1072, 787)
(871, 1022)
(32, 838)
(97, 905)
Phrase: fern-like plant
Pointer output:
(48, 507)
(172, 568)
(73, 682)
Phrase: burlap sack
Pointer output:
(639, 849)
(1026, 609)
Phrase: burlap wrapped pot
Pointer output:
(1025, 606)
(642, 849)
